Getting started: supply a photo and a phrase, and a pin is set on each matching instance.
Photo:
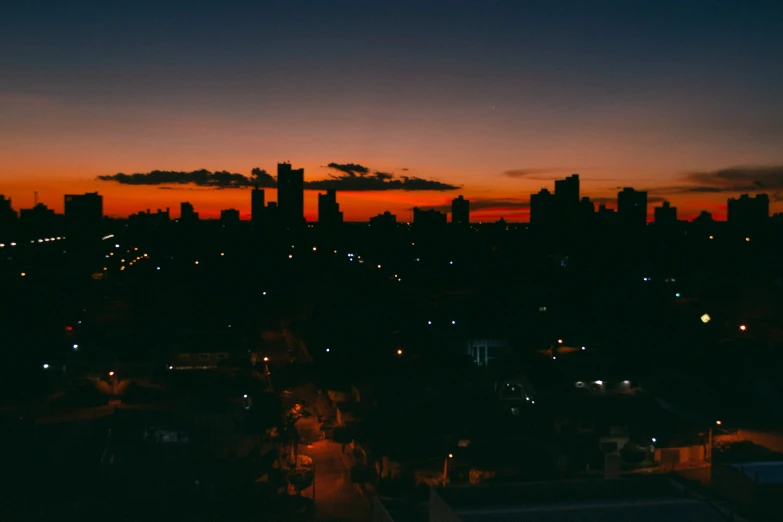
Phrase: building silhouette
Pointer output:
(748, 212)
(7, 213)
(541, 208)
(161, 217)
(586, 210)
(257, 202)
(567, 199)
(290, 194)
(632, 207)
(328, 209)
(460, 211)
(229, 215)
(665, 214)
(39, 219)
(430, 220)
(384, 222)
(84, 209)
(186, 212)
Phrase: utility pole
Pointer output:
(446, 468)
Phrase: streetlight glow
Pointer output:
(743, 327)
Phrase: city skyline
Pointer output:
(676, 100)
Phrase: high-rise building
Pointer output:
(567, 191)
(541, 208)
(328, 209)
(385, 220)
(290, 194)
(665, 214)
(748, 212)
(632, 207)
(428, 220)
(186, 212)
(257, 202)
(586, 208)
(229, 215)
(460, 211)
(84, 209)
(7, 213)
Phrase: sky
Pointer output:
(489, 99)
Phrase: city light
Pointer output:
(23, 274)
(677, 294)
(599, 383)
(290, 256)
(327, 350)
(559, 341)
(429, 322)
(117, 246)
(399, 352)
(75, 346)
(45, 366)
(196, 262)
(654, 440)
(451, 456)
(747, 240)
(222, 254)
(453, 322)
(705, 318)
(314, 249)
(711, 237)
(266, 359)
(743, 327)
(244, 396)
(111, 374)
(263, 293)
(379, 266)
(718, 422)
(583, 348)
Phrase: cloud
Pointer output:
(351, 177)
(200, 178)
(546, 174)
(263, 179)
(747, 178)
(351, 169)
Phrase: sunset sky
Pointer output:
(680, 98)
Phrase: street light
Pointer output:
(266, 359)
(743, 327)
(446, 468)
(399, 351)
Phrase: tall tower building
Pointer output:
(328, 209)
(257, 202)
(632, 207)
(460, 211)
(541, 208)
(290, 194)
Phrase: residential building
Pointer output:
(83, 209)
(665, 214)
(632, 207)
(460, 211)
(748, 212)
(541, 208)
(229, 215)
(257, 205)
(290, 194)
(328, 209)
(186, 212)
